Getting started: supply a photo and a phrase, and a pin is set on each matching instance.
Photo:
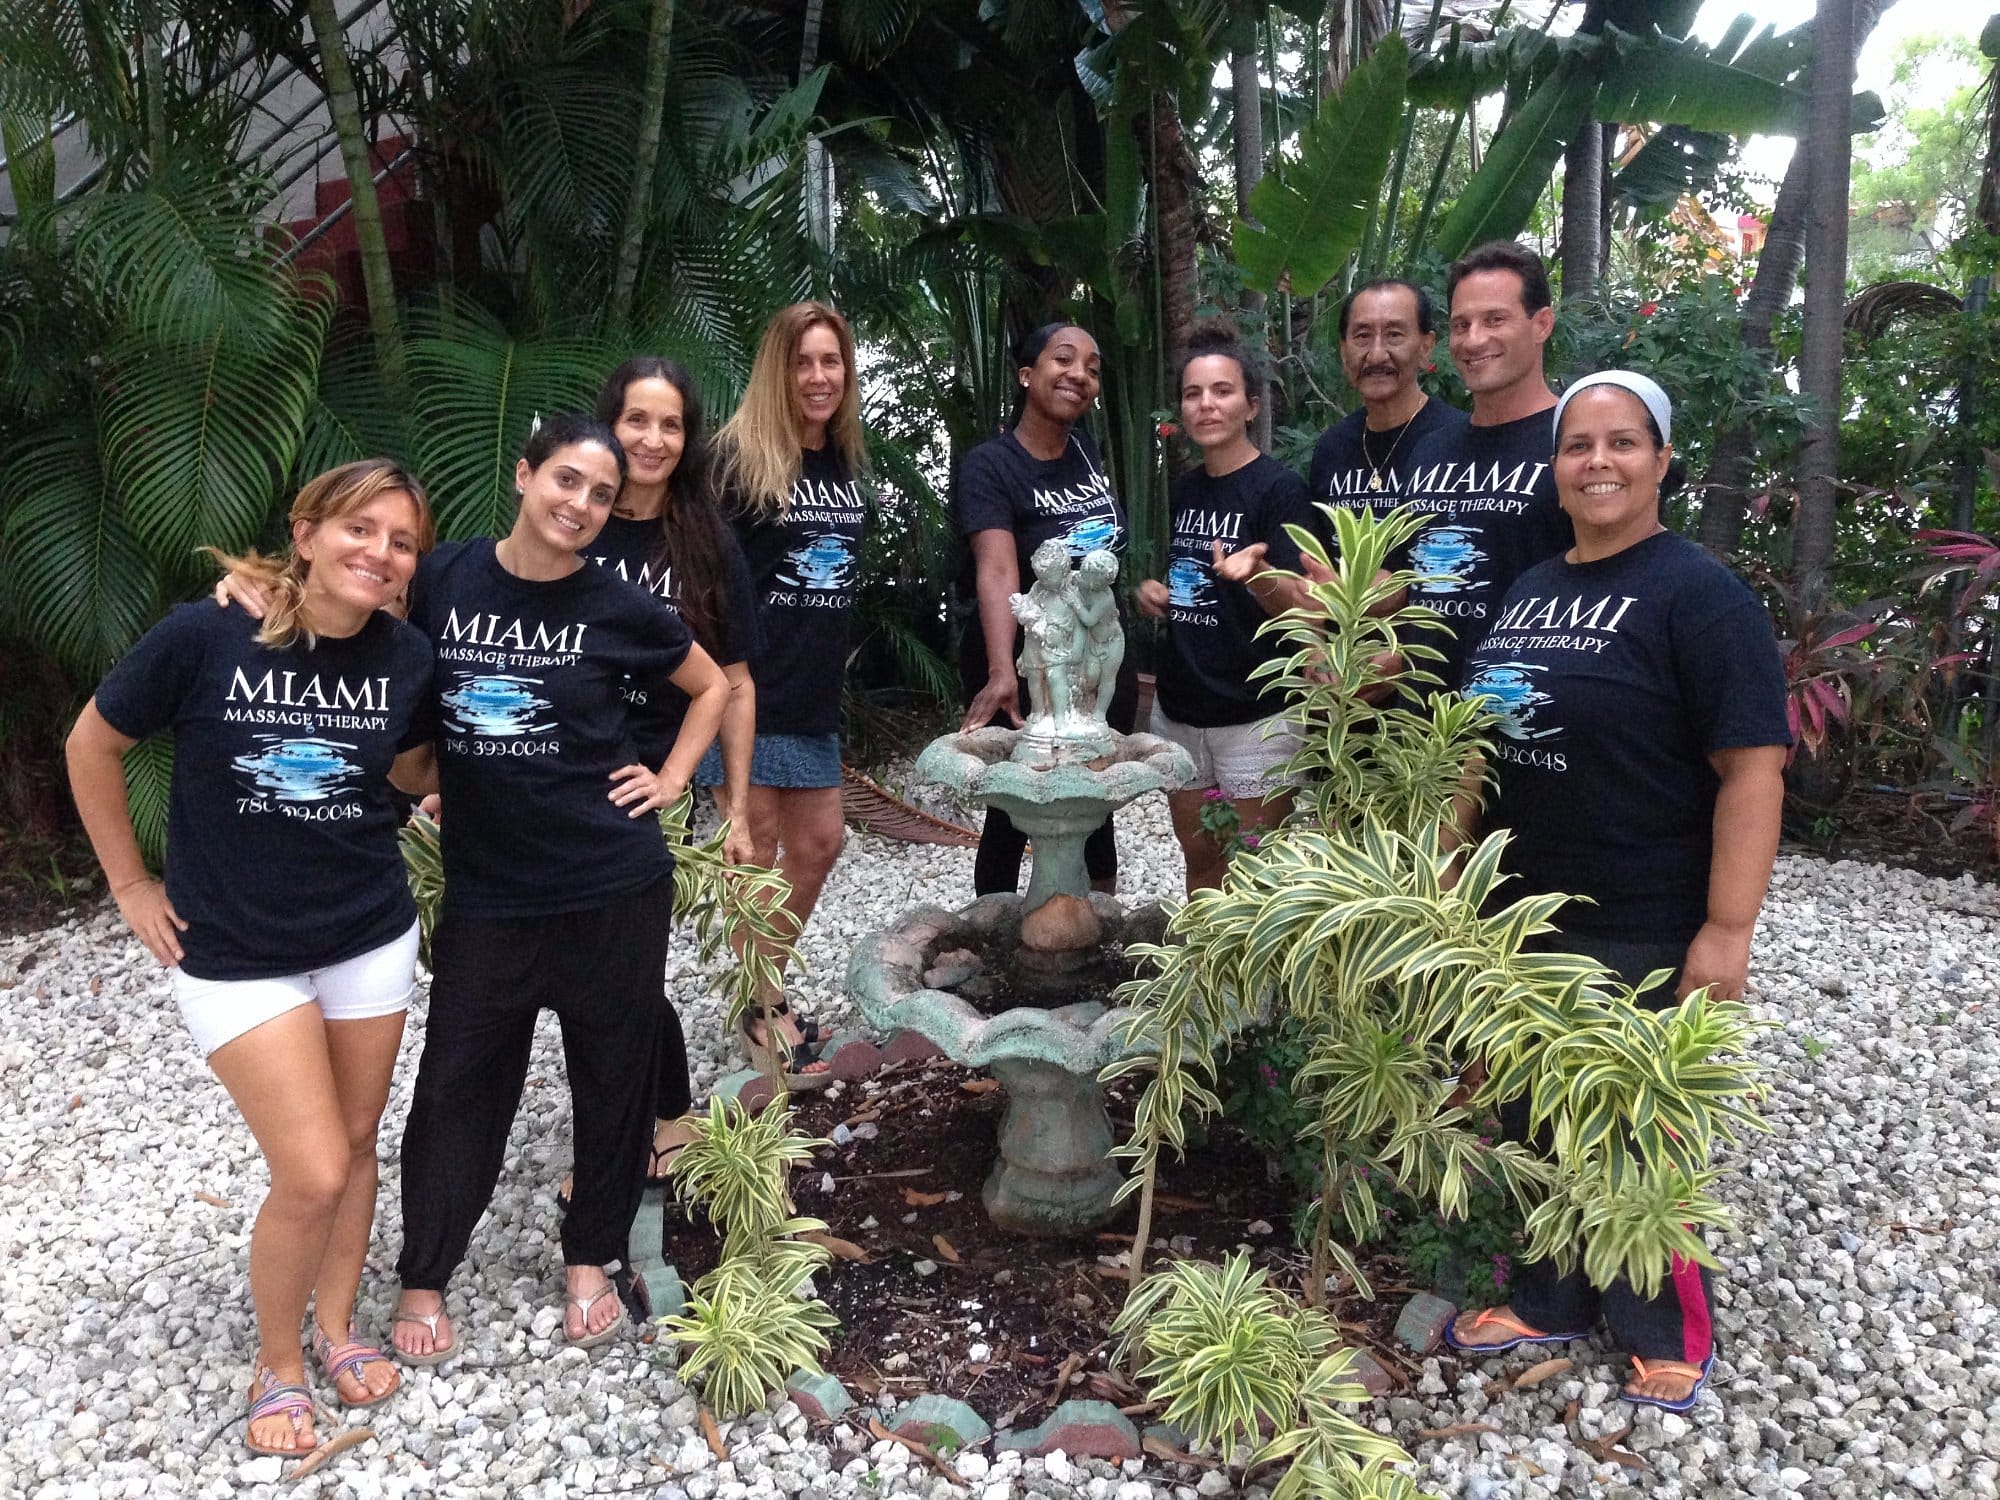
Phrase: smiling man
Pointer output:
(1387, 336)
(1489, 484)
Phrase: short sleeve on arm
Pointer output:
(423, 725)
(981, 497)
(1730, 673)
(745, 638)
(1290, 504)
(143, 693)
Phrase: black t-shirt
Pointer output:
(1348, 459)
(631, 549)
(806, 568)
(1492, 491)
(1001, 486)
(1212, 644)
(531, 722)
(281, 830)
(1616, 680)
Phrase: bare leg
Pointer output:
(363, 1056)
(800, 831)
(281, 1079)
(1208, 860)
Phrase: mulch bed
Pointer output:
(1008, 1323)
(1911, 830)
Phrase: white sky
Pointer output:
(1766, 156)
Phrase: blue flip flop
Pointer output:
(1513, 1324)
(1686, 1402)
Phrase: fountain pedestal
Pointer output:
(1054, 1175)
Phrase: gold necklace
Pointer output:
(1375, 469)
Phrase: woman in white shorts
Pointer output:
(1229, 535)
(285, 919)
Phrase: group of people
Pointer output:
(1636, 680)
(553, 689)
(671, 608)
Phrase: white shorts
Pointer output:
(1242, 760)
(376, 983)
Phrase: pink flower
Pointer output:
(1213, 794)
(1647, 309)
(1169, 429)
(1250, 841)
(1502, 1269)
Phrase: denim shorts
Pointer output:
(791, 762)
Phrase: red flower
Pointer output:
(1431, 368)
(1169, 429)
(1647, 309)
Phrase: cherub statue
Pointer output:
(1052, 640)
(1103, 644)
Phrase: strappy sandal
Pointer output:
(336, 1360)
(583, 1305)
(1660, 1367)
(802, 1055)
(277, 1398)
(439, 1353)
(1500, 1317)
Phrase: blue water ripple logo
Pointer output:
(1091, 534)
(1510, 690)
(825, 561)
(300, 770)
(498, 704)
(1190, 583)
(1448, 553)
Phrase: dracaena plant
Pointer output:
(753, 1320)
(1230, 1357)
(1395, 953)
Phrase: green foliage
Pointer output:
(739, 907)
(749, 1325)
(1309, 216)
(423, 866)
(736, 1168)
(1393, 955)
(1229, 1355)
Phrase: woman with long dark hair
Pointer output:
(666, 534)
(1041, 478)
(285, 920)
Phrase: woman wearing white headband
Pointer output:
(1638, 678)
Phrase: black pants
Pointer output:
(997, 865)
(673, 1097)
(600, 972)
(1672, 1325)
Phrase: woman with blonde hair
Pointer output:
(788, 460)
(284, 920)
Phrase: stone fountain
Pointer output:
(1020, 984)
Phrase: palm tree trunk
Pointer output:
(645, 153)
(819, 170)
(1821, 342)
(344, 104)
(1583, 190)
(1723, 486)
(1248, 97)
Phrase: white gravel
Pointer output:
(1859, 1352)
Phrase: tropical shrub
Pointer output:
(753, 1320)
(1386, 943)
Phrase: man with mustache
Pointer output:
(1386, 338)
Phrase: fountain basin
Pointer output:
(1054, 1175)
(1056, 805)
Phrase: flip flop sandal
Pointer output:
(336, 1360)
(438, 1355)
(583, 1305)
(1686, 1402)
(276, 1399)
(1501, 1318)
